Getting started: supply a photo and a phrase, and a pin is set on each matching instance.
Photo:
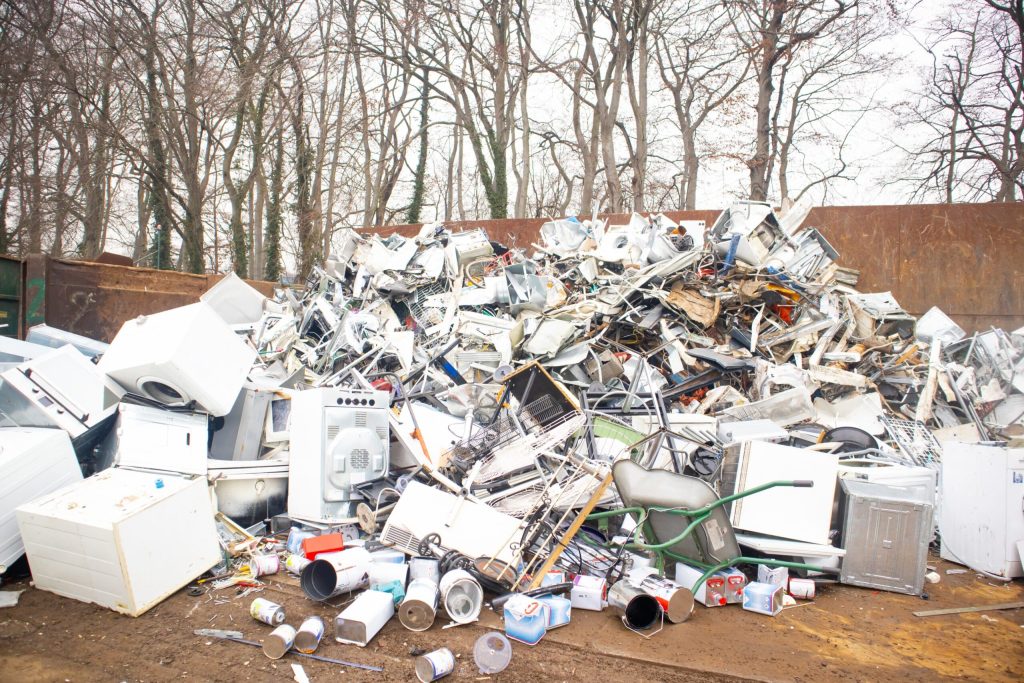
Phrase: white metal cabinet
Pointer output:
(33, 462)
(122, 539)
(799, 514)
(981, 515)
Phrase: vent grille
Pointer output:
(382, 433)
(401, 539)
(360, 458)
(332, 432)
(360, 419)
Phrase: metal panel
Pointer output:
(886, 535)
(10, 297)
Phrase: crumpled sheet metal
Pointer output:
(651, 329)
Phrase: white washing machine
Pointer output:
(182, 355)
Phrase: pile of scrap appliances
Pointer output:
(630, 418)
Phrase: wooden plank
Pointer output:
(964, 610)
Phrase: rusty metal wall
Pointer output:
(95, 299)
(967, 259)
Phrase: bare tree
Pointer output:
(773, 30)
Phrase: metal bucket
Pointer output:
(419, 607)
(676, 601)
(331, 574)
(461, 596)
(639, 610)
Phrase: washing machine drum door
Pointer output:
(354, 456)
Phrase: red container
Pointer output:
(317, 545)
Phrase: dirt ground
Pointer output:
(846, 633)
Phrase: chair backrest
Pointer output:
(712, 542)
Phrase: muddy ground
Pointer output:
(846, 633)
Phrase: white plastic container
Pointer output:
(364, 618)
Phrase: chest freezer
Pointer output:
(61, 389)
(33, 462)
(123, 539)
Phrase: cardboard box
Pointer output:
(777, 576)
(526, 619)
(559, 610)
(589, 592)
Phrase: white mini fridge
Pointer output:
(124, 538)
(981, 515)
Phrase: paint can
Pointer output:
(279, 641)
(802, 588)
(296, 563)
(461, 596)
(435, 665)
(419, 607)
(262, 565)
(425, 568)
(639, 610)
(269, 613)
(332, 574)
(307, 638)
(676, 601)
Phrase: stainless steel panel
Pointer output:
(886, 534)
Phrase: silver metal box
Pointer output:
(885, 534)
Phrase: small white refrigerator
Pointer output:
(125, 538)
(981, 515)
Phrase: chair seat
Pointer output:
(712, 542)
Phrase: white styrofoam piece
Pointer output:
(121, 539)
(189, 350)
(33, 462)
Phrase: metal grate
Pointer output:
(360, 458)
(915, 441)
